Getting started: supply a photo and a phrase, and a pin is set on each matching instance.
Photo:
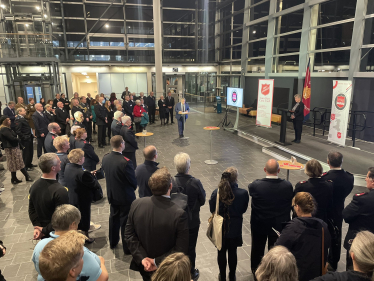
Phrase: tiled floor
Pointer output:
(228, 149)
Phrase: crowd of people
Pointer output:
(301, 224)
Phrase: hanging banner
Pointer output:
(341, 103)
(265, 102)
(307, 93)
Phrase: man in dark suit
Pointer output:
(129, 138)
(121, 185)
(169, 231)
(359, 214)
(87, 117)
(62, 117)
(9, 111)
(127, 107)
(56, 100)
(125, 93)
(89, 99)
(169, 101)
(41, 127)
(271, 206)
(342, 182)
(53, 132)
(24, 132)
(144, 171)
(101, 121)
(297, 117)
(151, 103)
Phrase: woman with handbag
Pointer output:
(233, 203)
(307, 238)
(162, 108)
(81, 185)
(91, 158)
(10, 144)
(138, 114)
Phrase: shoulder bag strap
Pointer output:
(323, 249)
(217, 202)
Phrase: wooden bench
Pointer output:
(276, 118)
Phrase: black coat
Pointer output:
(11, 114)
(236, 210)
(299, 111)
(271, 204)
(101, 113)
(125, 93)
(169, 224)
(48, 143)
(150, 101)
(127, 108)
(162, 108)
(72, 142)
(344, 276)
(64, 161)
(120, 179)
(303, 238)
(67, 105)
(129, 137)
(9, 138)
(51, 117)
(61, 116)
(322, 191)
(91, 158)
(169, 103)
(359, 214)
(41, 124)
(116, 127)
(110, 115)
(194, 189)
(143, 172)
(80, 183)
(342, 182)
(23, 129)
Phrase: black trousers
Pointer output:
(259, 239)
(109, 128)
(27, 152)
(131, 156)
(117, 220)
(40, 146)
(192, 240)
(151, 113)
(170, 114)
(349, 262)
(335, 250)
(88, 126)
(230, 247)
(298, 127)
(101, 134)
(85, 209)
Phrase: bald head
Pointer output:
(150, 153)
(272, 168)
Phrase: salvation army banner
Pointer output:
(265, 102)
(341, 102)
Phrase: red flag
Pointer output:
(307, 93)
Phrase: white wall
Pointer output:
(116, 83)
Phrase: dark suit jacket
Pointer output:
(169, 103)
(150, 101)
(169, 224)
(23, 129)
(48, 143)
(41, 124)
(143, 172)
(127, 108)
(299, 112)
(11, 114)
(129, 137)
(91, 158)
(61, 115)
(101, 113)
(51, 117)
(271, 204)
(120, 179)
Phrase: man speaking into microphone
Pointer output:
(297, 117)
(181, 111)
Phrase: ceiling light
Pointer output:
(2, 6)
(107, 25)
(26, 25)
(254, 31)
(38, 8)
(87, 76)
(84, 73)
(45, 16)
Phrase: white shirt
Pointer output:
(272, 177)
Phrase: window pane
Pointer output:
(178, 4)
(331, 60)
(179, 56)
(289, 22)
(225, 53)
(74, 25)
(289, 43)
(257, 49)
(370, 8)
(96, 10)
(139, 28)
(141, 56)
(139, 13)
(107, 42)
(179, 29)
(285, 4)
(258, 31)
(178, 15)
(115, 27)
(148, 2)
(286, 64)
(369, 31)
(72, 10)
(367, 61)
(179, 43)
(336, 10)
(55, 9)
(334, 36)
(141, 42)
(261, 10)
(256, 65)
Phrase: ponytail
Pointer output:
(226, 195)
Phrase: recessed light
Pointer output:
(2, 6)
(107, 25)
(38, 8)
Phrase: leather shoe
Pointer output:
(293, 140)
(297, 141)
(101, 146)
(90, 240)
(16, 181)
(29, 169)
(92, 141)
(29, 179)
(32, 165)
(195, 274)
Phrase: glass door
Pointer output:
(34, 92)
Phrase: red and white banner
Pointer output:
(341, 103)
(265, 102)
(307, 93)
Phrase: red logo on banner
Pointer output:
(339, 135)
(332, 116)
(340, 101)
(234, 96)
(265, 89)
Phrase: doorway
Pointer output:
(33, 91)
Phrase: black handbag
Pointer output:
(97, 194)
(100, 174)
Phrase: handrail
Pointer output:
(322, 111)
(357, 127)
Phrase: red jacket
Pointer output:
(138, 110)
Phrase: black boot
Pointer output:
(24, 172)
(14, 179)
(89, 240)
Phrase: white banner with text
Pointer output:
(265, 102)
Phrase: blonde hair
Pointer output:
(59, 142)
(278, 264)
(61, 255)
(47, 106)
(75, 155)
(182, 162)
(79, 133)
(313, 168)
(175, 267)
(363, 250)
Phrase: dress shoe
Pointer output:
(297, 141)
(221, 279)
(172, 123)
(101, 146)
(293, 140)
(195, 274)
(29, 179)
(92, 141)
(15, 181)
(94, 132)
(29, 169)
(182, 136)
(32, 165)
(90, 240)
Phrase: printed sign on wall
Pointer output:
(265, 102)
(341, 101)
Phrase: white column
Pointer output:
(158, 47)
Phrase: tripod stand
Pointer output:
(225, 121)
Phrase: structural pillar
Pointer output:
(270, 39)
(158, 47)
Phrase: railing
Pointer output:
(321, 116)
(354, 127)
